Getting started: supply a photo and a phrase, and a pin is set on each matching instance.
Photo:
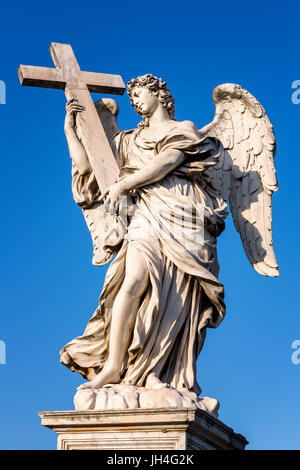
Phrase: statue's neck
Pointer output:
(159, 116)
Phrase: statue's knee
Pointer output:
(134, 287)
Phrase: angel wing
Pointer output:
(245, 174)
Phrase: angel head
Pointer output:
(147, 92)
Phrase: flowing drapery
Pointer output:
(174, 224)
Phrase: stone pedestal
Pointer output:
(140, 429)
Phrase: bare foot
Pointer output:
(108, 375)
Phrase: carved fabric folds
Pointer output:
(184, 296)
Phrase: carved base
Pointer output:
(123, 396)
(133, 429)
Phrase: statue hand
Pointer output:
(111, 198)
(72, 107)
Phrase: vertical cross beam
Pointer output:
(78, 84)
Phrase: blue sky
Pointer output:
(49, 288)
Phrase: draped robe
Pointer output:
(184, 296)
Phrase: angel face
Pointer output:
(145, 103)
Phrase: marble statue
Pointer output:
(161, 290)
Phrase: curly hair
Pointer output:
(157, 87)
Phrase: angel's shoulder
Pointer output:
(122, 136)
(188, 124)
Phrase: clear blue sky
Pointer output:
(49, 287)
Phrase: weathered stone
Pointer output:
(141, 429)
(122, 396)
(85, 400)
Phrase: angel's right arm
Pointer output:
(76, 149)
(164, 163)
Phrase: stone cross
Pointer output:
(77, 84)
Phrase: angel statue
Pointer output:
(161, 290)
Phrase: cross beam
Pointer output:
(78, 84)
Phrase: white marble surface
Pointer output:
(141, 429)
(123, 396)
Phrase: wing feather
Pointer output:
(245, 174)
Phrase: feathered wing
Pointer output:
(245, 174)
(99, 221)
(108, 111)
